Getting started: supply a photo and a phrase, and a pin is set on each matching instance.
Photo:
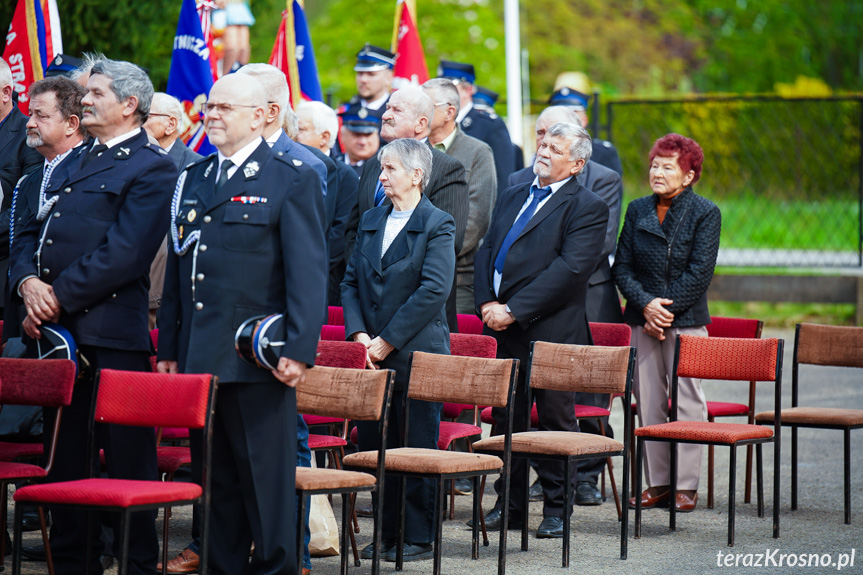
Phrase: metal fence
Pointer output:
(786, 174)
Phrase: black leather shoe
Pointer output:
(368, 550)
(463, 486)
(411, 552)
(493, 520)
(550, 528)
(30, 521)
(586, 493)
(535, 493)
(365, 509)
(34, 553)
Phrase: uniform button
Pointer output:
(45, 271)
(199, 277)
(199, 306)
(67, 190)
(377, 279)
(374, 307)
(102, 187)
(203, 248)
(113, 296)
(245, 216)
(56, 214)
(49, 242)
(207, 219)
(86, 311)
(438, 322)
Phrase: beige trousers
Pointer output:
(652, 387)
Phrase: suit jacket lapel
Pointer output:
(404, 241)
(556, 199)
(371, 249)
(9, 131)
(508, 218)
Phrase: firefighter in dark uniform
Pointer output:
(604, 151)
(374, 77)
(480, 124)
(359, 135)
(484, 101)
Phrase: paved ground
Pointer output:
(699, 542)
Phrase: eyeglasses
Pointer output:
(223, 109)
(443, 104)
(152, 115)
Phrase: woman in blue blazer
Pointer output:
(394, 296)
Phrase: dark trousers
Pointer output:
(130, 453)
(253, 480)
(556, 410)
(420, 498)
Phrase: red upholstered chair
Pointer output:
(335, 315)
(572, 368)
(747, 329)
(136, 399)
(47, 383)
(824, 345)
(468, 323)
(333, 332)
(718, 358)
(346, 394)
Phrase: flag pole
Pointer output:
(512, 27)
(291, 51)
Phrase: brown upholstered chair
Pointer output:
(349, 394)
(824, 345)
(562, 367)
(441, 378)
(718, 358)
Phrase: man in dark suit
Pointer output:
(84, 262)
(16, 158)
(603, 304)
(480, 124)
(318, 127)
(249, 222)
(530, 283)
(409, 114)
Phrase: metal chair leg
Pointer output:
(759, 479)
(400, 545)
(125, 520)
(732, 492)
(672, 497)
(346, 529)
(474, 530)
(639, 449)
(301, 529)
(438, 546)
(847, 460)
(794, 468)
(567, 510)
(482, 514)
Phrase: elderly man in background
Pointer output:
(86, 279)
(478, 161)
(318, 127)
(531, 277)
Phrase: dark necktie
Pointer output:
(379, 194)
(539, 194)
(223, 174)
(94, 153)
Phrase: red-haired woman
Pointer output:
(664, 263)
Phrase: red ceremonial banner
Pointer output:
(410, 65)
(22, 51)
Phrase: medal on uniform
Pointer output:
(180, 232)
(192, 215)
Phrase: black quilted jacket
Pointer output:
(674, 260)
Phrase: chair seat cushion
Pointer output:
(122, 493)
(314, 479)
(723, 409)
(431, 461)
(705, 431)
(169, 458)
(815, 416)
(321, 420)
(317, 441)
(552, 443)
(453, 410)
(450, 431)
(10, 470)
(11, 451)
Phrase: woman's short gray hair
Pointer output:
(580, 144)
(412, 154)
(127, 80)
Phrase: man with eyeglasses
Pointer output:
(247, 240)
(83, 262)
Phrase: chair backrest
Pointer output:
(734, 327)
(45, 382)
(345, 393)
(333, 332)
(610, 334)
(335, 315)
(458, 379)
(585, 368)
(728, 358)
(472, 345)
(468, 323)
(154, 399)
(349, 354)
(818, 345)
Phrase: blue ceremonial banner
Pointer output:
(191, 77)
(310, 86)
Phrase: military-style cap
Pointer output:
(259, 340)
(456, 71)
(374, 59)
(569, 97)
(485, 97)
(358, 119)
(62, 65)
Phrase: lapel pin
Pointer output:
(192, 215)
(251, 169)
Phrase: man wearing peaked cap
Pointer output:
(360, 135)
(63, 65)
(374, 77)
(480, 124)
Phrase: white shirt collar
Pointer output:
(274, 137)
(240, 156)
(375, 104)
(464, 111)
(554, 187)
(119, 139)
(171, 145)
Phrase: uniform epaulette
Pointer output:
(289, 160)
(604, 143)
